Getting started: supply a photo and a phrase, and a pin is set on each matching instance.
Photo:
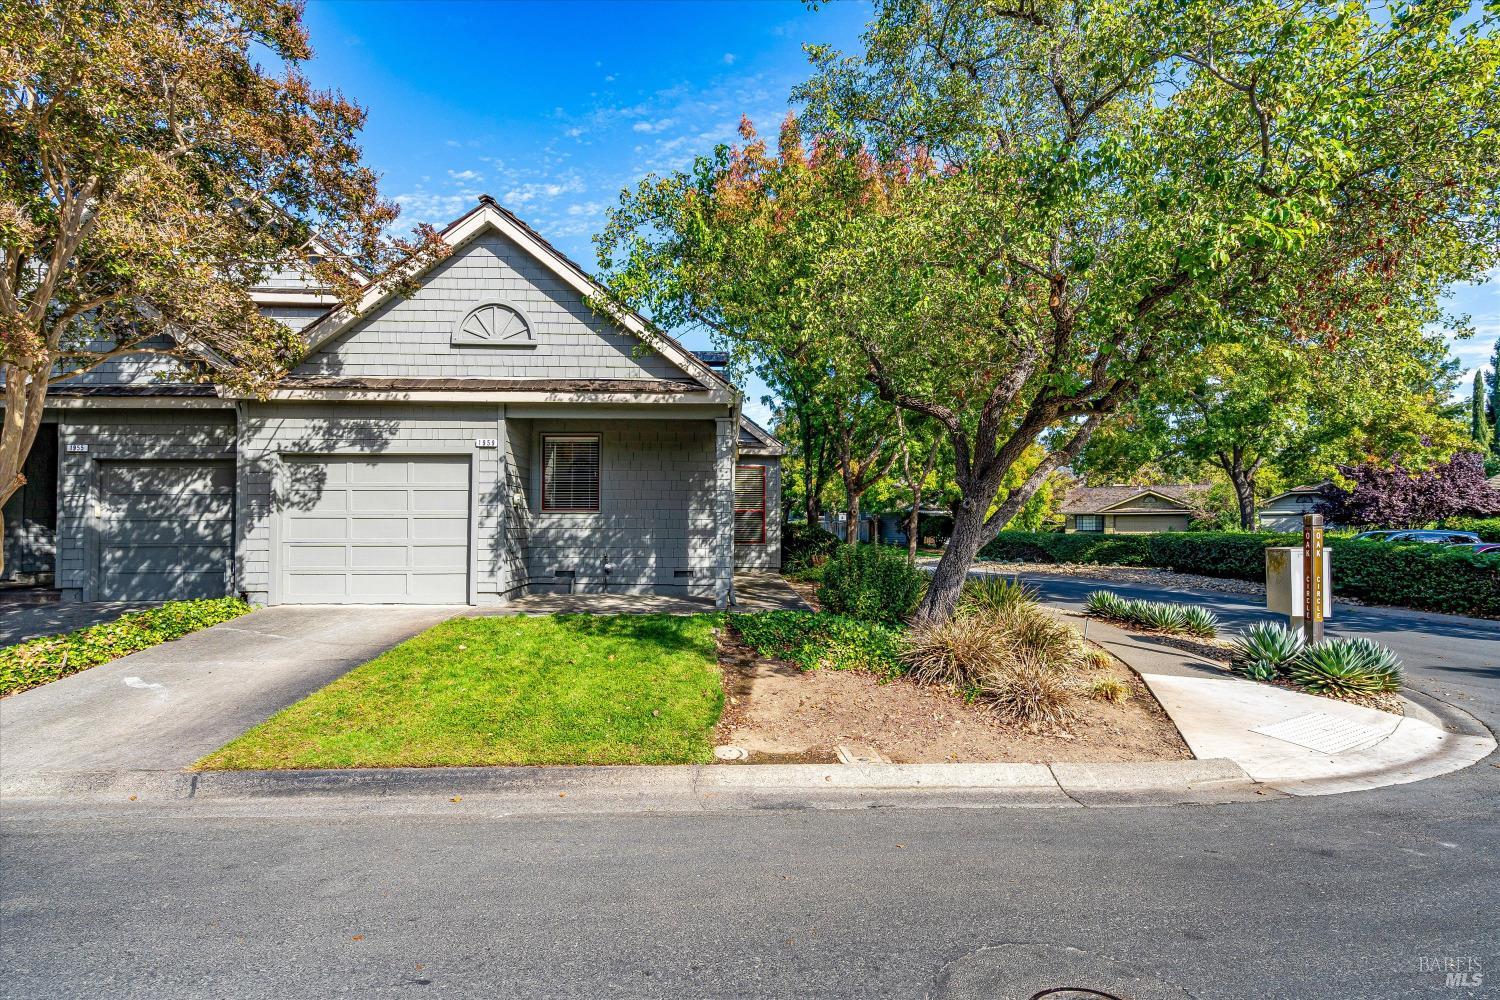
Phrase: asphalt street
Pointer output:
(1388, 893)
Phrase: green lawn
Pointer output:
(563, 689)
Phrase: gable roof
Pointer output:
(489, 215)
(1120, 499)
(1295, 491)
(756, 440)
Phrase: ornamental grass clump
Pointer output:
(1265, 650)
(994, 593)
(1343, 667)
(1010, 654)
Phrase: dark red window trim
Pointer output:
(761, 510)
(598, 473)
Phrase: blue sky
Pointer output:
(554, 107)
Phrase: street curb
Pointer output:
(679, 788)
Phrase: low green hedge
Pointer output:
(1415, 575)
(38, 661)
(1488, 528)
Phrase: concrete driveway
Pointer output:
(163, 708)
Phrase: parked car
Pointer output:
(1374, 536)
(1484, 548)
(1435, 537)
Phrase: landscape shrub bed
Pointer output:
(37, 661)
(1415, 575)
(804, 545)
(872, 582)
(1488, 528)
(818, 640)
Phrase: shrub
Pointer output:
(813, 640)
(1158, 615)
(1110, 689)
(1347, 667)
(1487, 528)
(1265, 650)
(872, 582)
(994, 593)
(1430, 577)
(37, 661)
(804, 545)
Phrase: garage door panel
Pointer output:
(439, 530)
(158, 505)
(317, 588)
(318, 558)
(161, 531)
(378, 500)
(402, 534)
(428, 558)
(316, 528)
(380, 557)
(396, 472)
(379, 529)
(165, 530)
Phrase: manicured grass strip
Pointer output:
(555, 689)
(37, 661)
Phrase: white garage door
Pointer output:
(372, 530)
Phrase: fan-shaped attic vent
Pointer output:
(494, 324)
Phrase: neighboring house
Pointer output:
(487, 435)
(1284, 511)
(1123, 510)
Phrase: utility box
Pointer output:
(1285, 581)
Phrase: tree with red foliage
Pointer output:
(1393, 496)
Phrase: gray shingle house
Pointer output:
(488, 435)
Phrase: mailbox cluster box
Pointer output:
(1284, 581)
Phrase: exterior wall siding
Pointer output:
(658, 511)
(411, 336)
(193, 434)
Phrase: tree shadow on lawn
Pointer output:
(669, 633)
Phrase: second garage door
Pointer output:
(376, 530)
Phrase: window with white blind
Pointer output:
(750, 505)
(570, 472)
(1090, 522)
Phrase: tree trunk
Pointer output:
(953, 568)
(851, 535)
(1244, 495)
(914, 525)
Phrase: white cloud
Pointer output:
(729, 58)
(651, 128)
(465, 176)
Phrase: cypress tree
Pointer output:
(1479, 422)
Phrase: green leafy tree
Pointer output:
(1479, 420)
(1494, 401)
(1034, 214)
(151, 171)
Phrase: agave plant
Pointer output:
(1199, 622)
(1159, 616)
(1106, 604)
(1346, 666)
(1265, 650)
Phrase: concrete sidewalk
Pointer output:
(1297, 743)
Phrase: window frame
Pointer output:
(598, 473)
(761, 510)
(1093, 519)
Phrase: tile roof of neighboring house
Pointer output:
(1097, 499)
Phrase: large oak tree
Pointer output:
(1094, 194)
(152, 170)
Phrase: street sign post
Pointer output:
(1312, 577)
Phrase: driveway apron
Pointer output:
(164, 707)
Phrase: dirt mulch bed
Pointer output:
(780, 713)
